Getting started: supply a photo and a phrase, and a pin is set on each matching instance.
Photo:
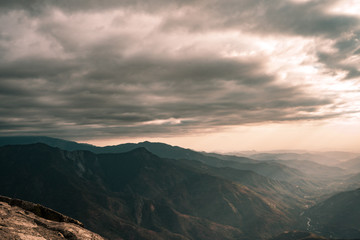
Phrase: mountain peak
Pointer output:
(141, 150)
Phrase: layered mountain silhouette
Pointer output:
(273, 170)
(326, 158)
(157, 191)
(160, 149)
(54, 142)
(137, 195)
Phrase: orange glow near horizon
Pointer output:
(327, 136)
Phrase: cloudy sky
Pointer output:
(220, 75)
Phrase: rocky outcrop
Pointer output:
(22, 220)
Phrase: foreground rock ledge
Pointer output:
(22, 220)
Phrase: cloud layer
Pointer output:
(87, 69)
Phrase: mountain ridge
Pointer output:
(135, 194)
(272, 170)
(146, 196)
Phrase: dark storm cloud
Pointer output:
(35, 68)
(309, 19)
(345, 48)
(204, 72)
(39, 7)
(265, 17)
(80, 87)
(203, 100)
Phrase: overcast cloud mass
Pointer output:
(90, 69)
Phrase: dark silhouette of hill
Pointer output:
(53, 142)
(287, 196)
(138, 195)
(160, 149)
(272, 170)
(336, 217)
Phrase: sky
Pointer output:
(213, 75)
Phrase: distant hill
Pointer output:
(352, 182)
(276, 171)
(53, 142)
(352, 164)
(138, 195)
(314, 170)
(160, 149)
(337, 216)
(325, 158)
(288, 197)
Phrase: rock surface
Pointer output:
(22, 220)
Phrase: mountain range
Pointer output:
(115, 194)
(273, 170)
(157, 191)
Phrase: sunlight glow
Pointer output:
(349, 7)
(170, 121)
